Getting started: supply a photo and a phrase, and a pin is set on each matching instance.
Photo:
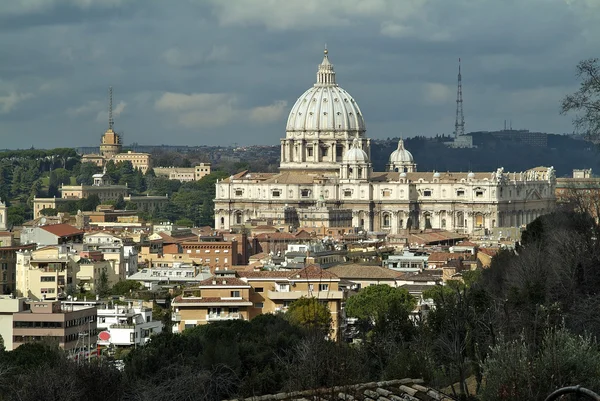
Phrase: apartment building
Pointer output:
(153, 278)
(9, 305)
(222, 297)
(73, 328)
(52, 234)
(91, 273)
(407, 262)
(218, 255)
(46, 273)
(121, 252)
(8, 267)
(268, 292)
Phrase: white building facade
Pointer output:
(326, 180)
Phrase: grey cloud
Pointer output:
(398, 62)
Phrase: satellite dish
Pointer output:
(43, 220)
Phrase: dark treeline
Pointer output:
(563, 152)
(517, 330)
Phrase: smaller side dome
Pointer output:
(401, 155)
(471, 175)
(436, 175)
(355, 154)
(402, 174)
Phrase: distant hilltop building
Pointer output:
(525, 136)
(183, 174)
(111, 147)
(480, 138)
(326, 181)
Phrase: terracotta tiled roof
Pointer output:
(467, 243)
(434, 237)
(275, 236)
(444, 256)
(489, 251)
(313, 271)
(362, 272)
(265, 274)
(309, 272)
(265, 227)
(420, 276)
(302, 234)
(62, 230)
(259, 256)
(404, 389)
(229, 281)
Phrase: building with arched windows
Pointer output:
(326, 180)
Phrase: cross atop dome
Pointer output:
(325, 72)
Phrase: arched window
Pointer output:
(479, 220)
(460, 219)
(238, 217)
(443, 223)
(386, 220)
(222, 220)
(427, 217)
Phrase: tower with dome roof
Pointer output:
(322, 125)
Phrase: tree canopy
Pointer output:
(309, 313)
(586, 101)
(376, 300)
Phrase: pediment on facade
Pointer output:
(533, 195)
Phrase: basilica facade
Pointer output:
(326, 180)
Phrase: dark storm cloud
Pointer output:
(213, 71)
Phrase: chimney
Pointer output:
(224, 282)
(214, 282)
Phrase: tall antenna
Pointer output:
(459, 125)
(110, 116)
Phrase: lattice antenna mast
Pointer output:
(459, 125)
(111, 122)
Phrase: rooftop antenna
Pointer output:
(110, 116)
(459, 125)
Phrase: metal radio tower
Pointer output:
(111, 122)
(459, 125)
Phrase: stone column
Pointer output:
(394, 222)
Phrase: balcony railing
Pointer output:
(223, 316)
(292, 295)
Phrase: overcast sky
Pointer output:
(194, 72)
